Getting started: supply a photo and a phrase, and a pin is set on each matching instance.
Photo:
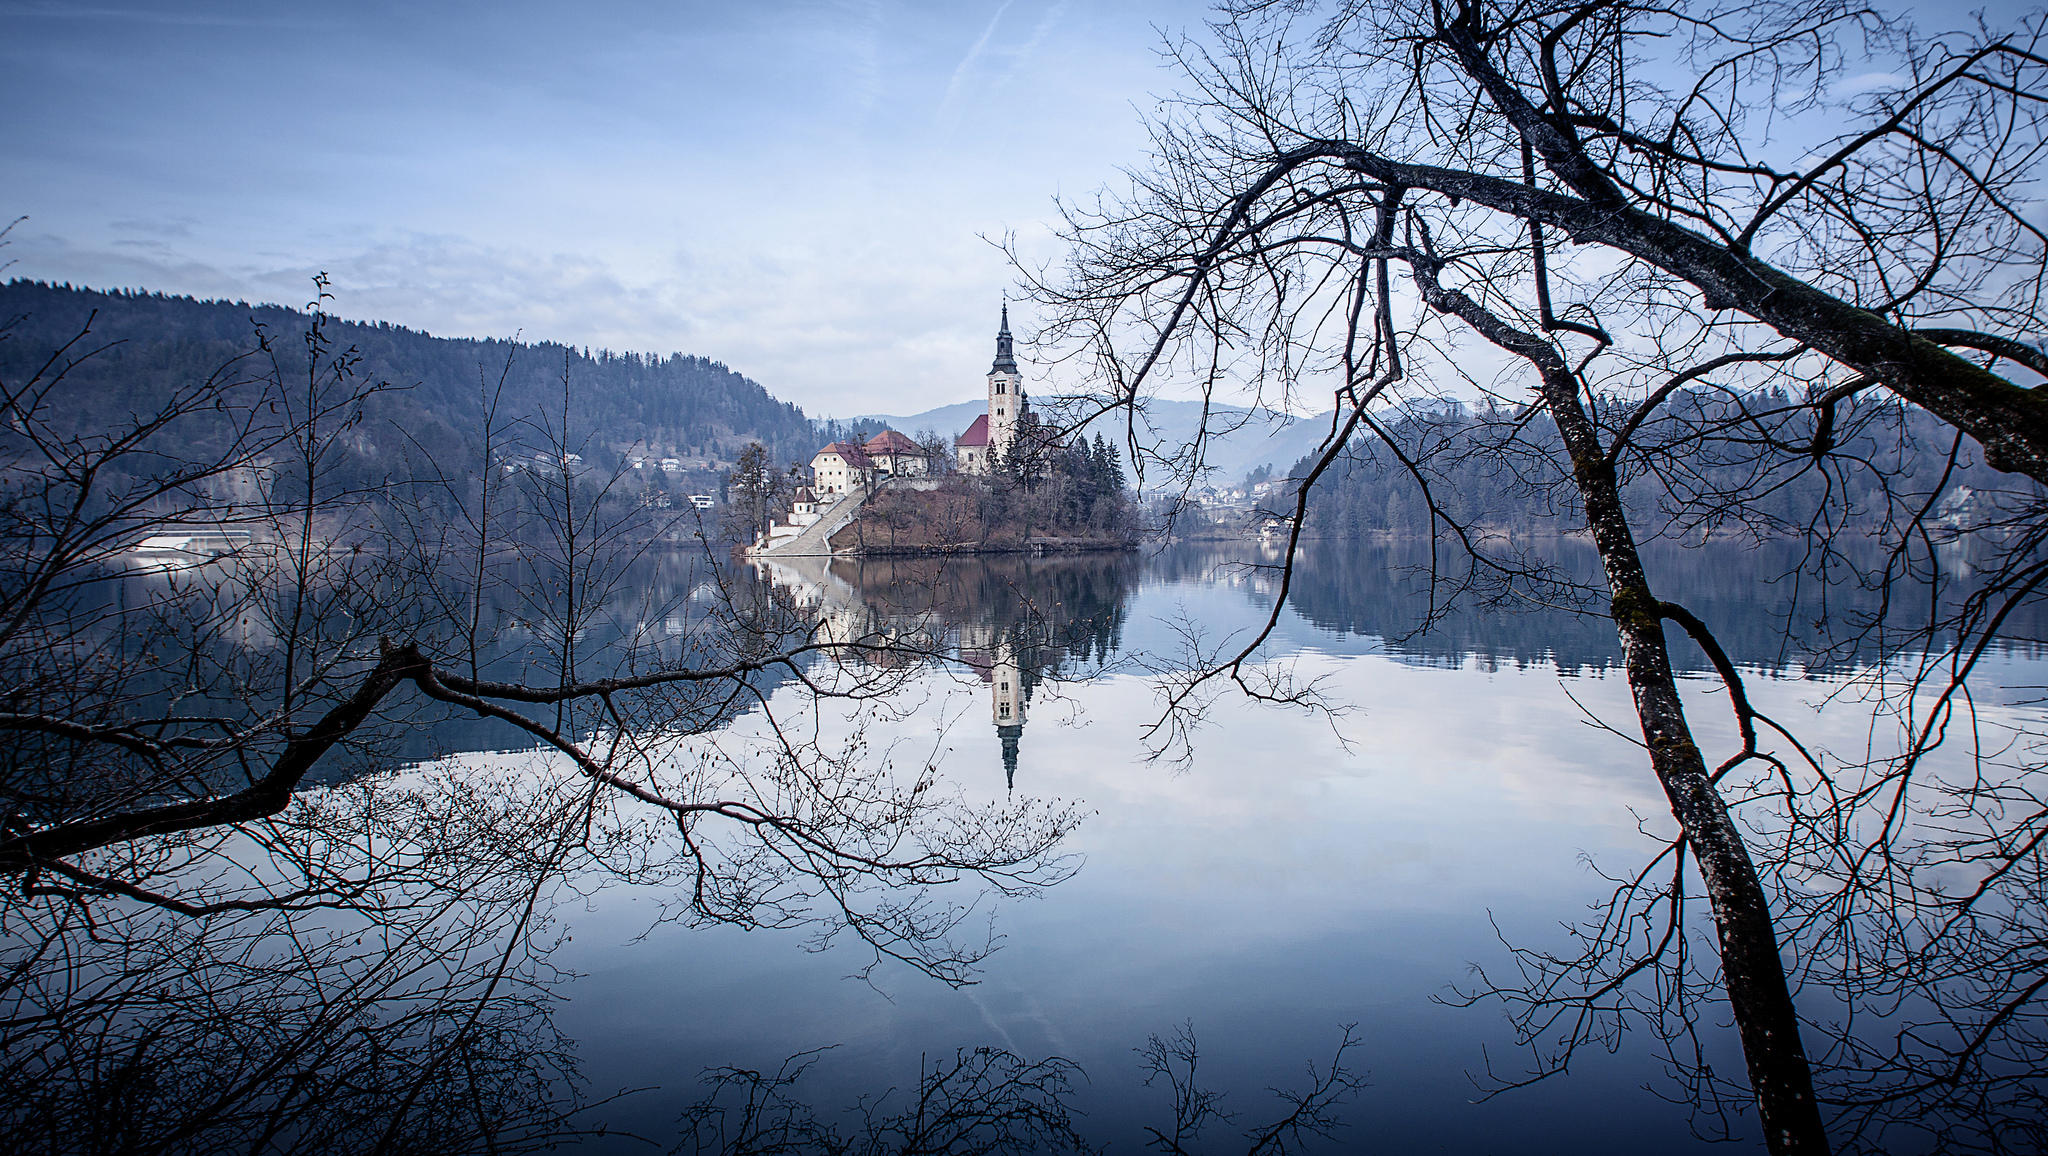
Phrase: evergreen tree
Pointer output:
(754, 493)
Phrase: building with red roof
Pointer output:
(845, 466)
(891, 442)
(895, 454)
(972, 447)
(840, 468)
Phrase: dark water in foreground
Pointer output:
(1296, 873)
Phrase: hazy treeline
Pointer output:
(1765, 616)
(1475, 481)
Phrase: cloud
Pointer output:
(841, 324)
(1870, 82)
(178, 228)
(454, 286)
(1039, 31)
(53, 257)
(948, 104)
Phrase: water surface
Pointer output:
(1293, 872)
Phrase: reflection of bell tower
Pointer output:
(1005, 391)
(1006, 689)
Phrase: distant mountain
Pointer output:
(146, 344)
(1260, 437)
(948, 420)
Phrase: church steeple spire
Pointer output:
(1008, 736)
(1006, 356)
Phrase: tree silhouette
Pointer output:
(1578, 214)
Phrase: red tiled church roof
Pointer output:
(976, 435)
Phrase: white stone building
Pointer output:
(841, 468)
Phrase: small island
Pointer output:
(1009, 483)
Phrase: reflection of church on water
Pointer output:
(1014, 622)
(991, 652)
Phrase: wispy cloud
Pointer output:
(1869, 82)
(949, 104)
(1039, 32)
(181, 227)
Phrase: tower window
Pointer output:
(1002, 387)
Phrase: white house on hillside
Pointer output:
(840, 468)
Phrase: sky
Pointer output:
(807, 191)
(810, 191)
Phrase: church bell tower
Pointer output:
(1005, 391)
(1006, 694)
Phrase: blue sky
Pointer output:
(798, 189)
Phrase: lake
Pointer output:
(1285, 873)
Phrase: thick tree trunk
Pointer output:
(1754, 974)
(2009, 421)
(266, 796)
(1780, 1076)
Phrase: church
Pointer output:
(991, 433)
(845, 467)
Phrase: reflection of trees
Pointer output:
(982, 1101)
(1751, 592)
(990, 1100)
(1069, 606)
(654, 617)
(410, 1014)
(203, 948)
(1015, 622)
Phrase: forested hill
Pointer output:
(689, 408)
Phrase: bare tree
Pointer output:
(233, 917)
(1391, 204)
(754, 493)
(984, 1100)
(938, 453)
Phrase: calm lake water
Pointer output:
(1295, 873)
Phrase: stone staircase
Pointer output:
(816, 538)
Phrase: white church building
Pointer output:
(984, 442)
